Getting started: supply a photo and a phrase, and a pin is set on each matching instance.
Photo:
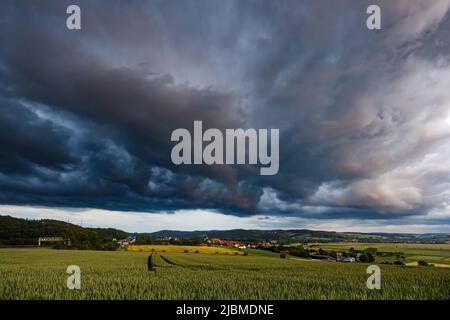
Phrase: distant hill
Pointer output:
(16, 231)
(259, 235)
(304, 235)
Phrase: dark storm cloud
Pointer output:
(86, 116)
(31, 140)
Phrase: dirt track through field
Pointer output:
(169, 262)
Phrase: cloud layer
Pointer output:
(364, 116)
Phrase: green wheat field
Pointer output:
(41, 274)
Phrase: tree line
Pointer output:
(23, 232)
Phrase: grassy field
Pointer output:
(41, 274)
(192, 249)
(438, 254)
(262, 253)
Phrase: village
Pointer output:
(203, 242)
(284, 250)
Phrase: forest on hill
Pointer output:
(23, 232)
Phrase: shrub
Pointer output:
(299, 252)
(186, 251)
(372, 251)
(363, 258)
(282, 256)
(422, 263)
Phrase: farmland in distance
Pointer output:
(184, 249)
(437, 254)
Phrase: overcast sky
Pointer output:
(364, 115)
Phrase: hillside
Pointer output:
(304, 235)
(15, 231)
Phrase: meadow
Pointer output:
(435, 253)
(41, 274)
